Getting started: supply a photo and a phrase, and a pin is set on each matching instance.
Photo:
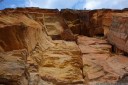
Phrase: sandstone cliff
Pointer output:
(89, 22)
(118, 34)
(45, 46)
(31, 39)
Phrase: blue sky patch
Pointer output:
(73, 4)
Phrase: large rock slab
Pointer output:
(61, 64)
(13, 68)
(102, 66)
(117, 35)
(93, 45)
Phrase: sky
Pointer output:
(60, 4)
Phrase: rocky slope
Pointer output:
(46, 47)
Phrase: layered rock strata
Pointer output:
(46, 60)
(90, 22)
(118, 34)
(102, 66)
(45, 47)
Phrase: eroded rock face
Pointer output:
(90, 22)
(45, 47)
(84, 22)
(48, 60)
(59, 64)
(13, 69)
(102, 66)
(118, 32)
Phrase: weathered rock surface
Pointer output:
(47, 61)
(44, 47)
(90, 22)
(59, 64)
(118, 34)
(101, 66)
(13, 69)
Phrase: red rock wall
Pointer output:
(89, 22)
(118, 34)
(84, 22)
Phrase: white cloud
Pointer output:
(13, 6)
(30, 3)
(55, 3)
(98, 4)
(79, 4)
(92, 4)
